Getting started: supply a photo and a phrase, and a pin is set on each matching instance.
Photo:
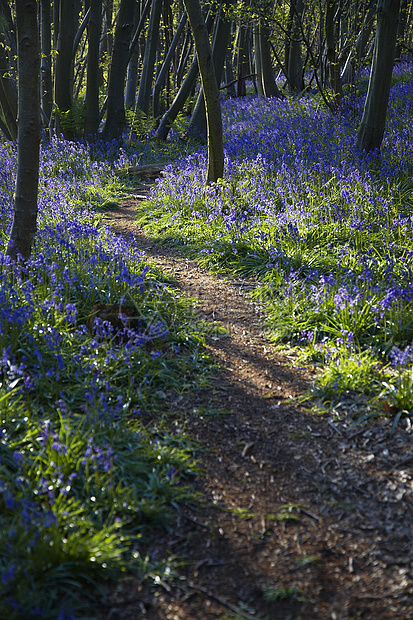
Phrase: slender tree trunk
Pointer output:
(132, 73)
(242, 53)
(178, 103)
(46, 60)
(402, 27)
(183, 60)
(198, 124)
(362, 39)
(333, 63)
(8, 91)
(92, 81)
(9, 117)
(229, 75)
(25, 202)
(115, 118)
(160, 80)
(210, 88)
(295, 63)
(187, 86)
(265, 76)
(135, 50)
(365, 32)
(257, 58)
(145, 85)
(106, 41)
(68, 15)
(132, 79)
(371, 130)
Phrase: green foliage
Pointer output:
(181, 124)
(320, 248)
(89, 466)
(347, 371)
(73, 120)
(139, 123)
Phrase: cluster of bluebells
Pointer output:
(334, 223)
(75, 263)
(333, 233)
(63, 365)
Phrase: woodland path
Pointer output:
(293, 500)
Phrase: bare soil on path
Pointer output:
(301, 516)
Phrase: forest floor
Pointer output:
(300, 514)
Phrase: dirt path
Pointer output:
(298, 508)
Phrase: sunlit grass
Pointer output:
(95, 346)
(325, 232)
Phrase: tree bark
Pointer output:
(401, 27)
(182, 95)
(229, 75)
(25, 202)
(242, 62)
(115, 118)
(46, 60)
(178, 102)
(295, 63)
(362, 39)
(145, 85)
(8, 91)
(68, 16)
(266, 83)
(371, 130)
(160, 80)
(210, 88)
(92, 81)
(333, 64)
(198, 124)
(132, 72)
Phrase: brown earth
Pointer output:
(297, 505)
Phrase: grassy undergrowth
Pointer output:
(95, 348)
(325, 231)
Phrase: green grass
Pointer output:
(94, 459)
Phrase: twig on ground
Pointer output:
(222, 601)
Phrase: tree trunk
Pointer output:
(178, 103)
(401, 27)
(266, 83)
(198, 124)
(371, 130)
(8, 91)
(160, 80)
(92, 81)
(210, 88)
(145, 85)
(229, 74)
(257, 58)
(25, 202)
(333, 64)
(68, 16)
(133, 64)
(46, 59)
(10, 119)
(115, 118)
(182, 95)
(295, 63)
(133, 60)
(186, 51)
(242, 63)
(362, 38)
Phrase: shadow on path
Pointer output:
(301, 517)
